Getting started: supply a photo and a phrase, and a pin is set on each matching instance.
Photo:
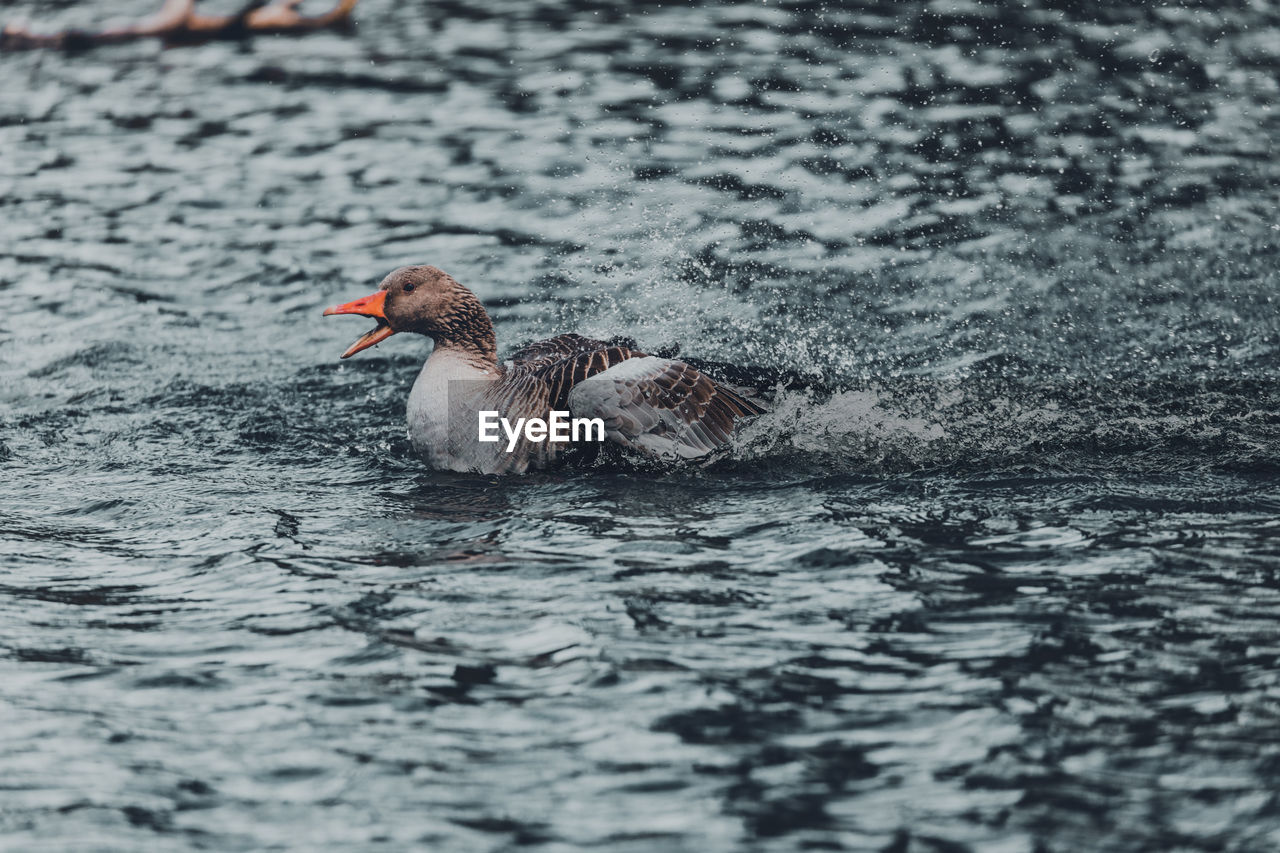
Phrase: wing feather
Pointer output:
(661, 406)
(543, 353)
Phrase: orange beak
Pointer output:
(368, 306)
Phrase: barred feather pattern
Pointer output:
(663, 407)
(658, 406)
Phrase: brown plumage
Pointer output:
(659, 406)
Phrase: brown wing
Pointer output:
(560, 376)
(542, 353)
(661, 406)
(565, 360)
(541, 376)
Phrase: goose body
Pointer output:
(660, 407)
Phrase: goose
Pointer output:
(659, 407)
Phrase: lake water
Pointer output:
(998, 572)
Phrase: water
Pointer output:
(997, 573)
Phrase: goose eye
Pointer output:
(409, 286)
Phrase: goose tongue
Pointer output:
(368, 306)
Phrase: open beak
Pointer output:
(368, 306)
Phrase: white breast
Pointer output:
(442, 409)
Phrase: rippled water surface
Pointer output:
(998, 572)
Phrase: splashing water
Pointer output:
(996, 572)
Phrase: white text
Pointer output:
(559, 428)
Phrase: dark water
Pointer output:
(999, 572)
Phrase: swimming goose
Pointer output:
(658, 406)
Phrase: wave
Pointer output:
(976, 423)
